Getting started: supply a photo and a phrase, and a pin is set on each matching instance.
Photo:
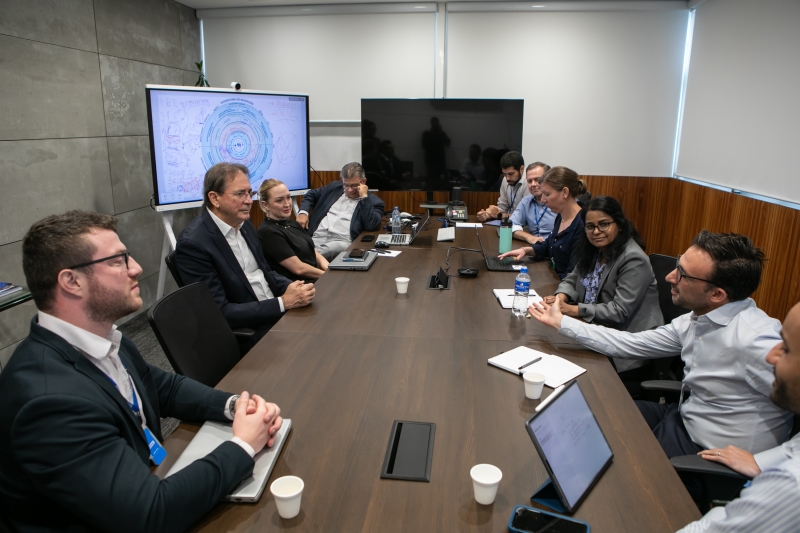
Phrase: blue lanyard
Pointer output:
(536, 214)
(135, 405)
(513, 198)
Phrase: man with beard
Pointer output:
(512, 189)
(772, 502)
(723, 343)
(80, 408)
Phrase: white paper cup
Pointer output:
(485, 480)
(287, 491)
(533, 384)
(402, 285)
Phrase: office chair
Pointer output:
(719, 484)
(663, 379)
(194, 335)
(242, 334)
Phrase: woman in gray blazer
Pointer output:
(612, 284)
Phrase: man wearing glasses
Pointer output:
(723, 343)
(221, 248)
(340, 211)
(80, 408)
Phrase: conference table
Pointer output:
(362, 356)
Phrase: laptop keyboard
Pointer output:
(398, 239)
(504, 264)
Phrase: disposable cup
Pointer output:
(485, 480)
(533, 384)
(402, 285)
(287, 491)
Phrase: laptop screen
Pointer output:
(571, 442)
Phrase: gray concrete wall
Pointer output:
(73, 123)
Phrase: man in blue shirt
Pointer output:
(530, 211)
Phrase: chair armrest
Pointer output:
(244, 332)
(697, 465)
(662, 385)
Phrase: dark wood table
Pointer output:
(362, 356)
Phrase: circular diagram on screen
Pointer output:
(237, 132)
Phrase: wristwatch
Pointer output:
(232, 405)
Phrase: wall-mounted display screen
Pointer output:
(436, 144)
(192, 129)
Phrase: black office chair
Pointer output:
(665, 370)
(719, 484)
(194, 334)
(173, 268)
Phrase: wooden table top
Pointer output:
(361, 356)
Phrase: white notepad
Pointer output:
(555, 369)
(506, 297)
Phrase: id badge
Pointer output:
(157, 452)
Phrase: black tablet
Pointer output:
(571, 444)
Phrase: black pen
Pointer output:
(379, 251)
(528, 364)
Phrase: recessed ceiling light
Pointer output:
(537, 6)
(419, 7)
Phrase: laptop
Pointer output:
(571, 445)
(211, 435)
(495, 264)
(404, 239)
(343, 262)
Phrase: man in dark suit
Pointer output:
(340, 211)
(221, 248)
(80, 408)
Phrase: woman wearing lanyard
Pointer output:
(560, 188)
(612, 284)
(287, 247)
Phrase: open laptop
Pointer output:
(493, 263)
(211, 435)
(571, 445)
(404, 239)
(342, 262)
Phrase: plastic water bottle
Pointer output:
(396, 222)
(522, 287)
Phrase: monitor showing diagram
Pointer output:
(192, 129)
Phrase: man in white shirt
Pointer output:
(340, 211)
(221, 248)
(80, 408)
(723, 342)
(512, 188)
(772, 503)
(531, 211)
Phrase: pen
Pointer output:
(549, 398)
(528, 364)
(379, 251)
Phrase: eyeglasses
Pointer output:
(352, 187)
(682, 274)
(602, 226)
(241, 195)
(126, 255)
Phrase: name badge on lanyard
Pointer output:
(157, 451)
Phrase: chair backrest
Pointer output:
(663, 265)
(194, 335)
(173, 268)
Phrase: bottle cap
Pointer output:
(524, 269)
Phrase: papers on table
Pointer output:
(555, 369)
(469, 225)
(506, 297)
(492, 223)
(387, 253)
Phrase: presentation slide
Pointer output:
(193, 130)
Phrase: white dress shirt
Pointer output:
(104, 354)
(246, 260)
(775, 456)
(770, 504)
(724, 354)
(336, 224)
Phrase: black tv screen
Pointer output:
(435, 144)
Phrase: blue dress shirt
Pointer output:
(536, 216)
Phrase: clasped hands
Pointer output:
(489, 213)
(256, 421)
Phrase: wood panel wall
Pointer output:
(669, 213)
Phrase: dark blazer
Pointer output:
(366, 217)
(73, 456)
(627, 298)
(204, 255)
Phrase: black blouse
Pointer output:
(560, 247)
(282, 239)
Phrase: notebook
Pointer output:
(343, 262)
(506, 297)
(211, 435)
(555, 369)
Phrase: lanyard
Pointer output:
(513, 198)
(536, 216)
(135, 405)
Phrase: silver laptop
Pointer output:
(343, 262)
(404, 239)
(211, 435)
